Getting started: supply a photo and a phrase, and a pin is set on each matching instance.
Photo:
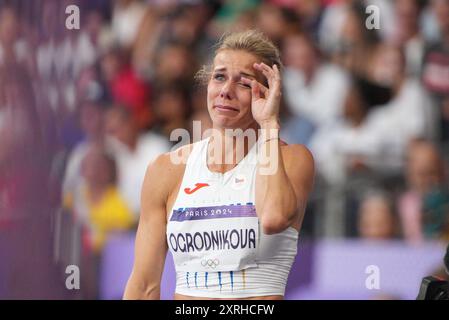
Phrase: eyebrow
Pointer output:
(245, 74)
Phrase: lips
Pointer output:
(221, 107)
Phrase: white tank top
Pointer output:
(213, 233)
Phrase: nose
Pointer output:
(226, 91)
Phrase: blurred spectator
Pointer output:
(352, 142)
(333, 19)
(276, 21)
(408, 34)
(92, 124)
(387, 17)
(314, 89)
(48, 62)
(64, 54)
(424, 205)
(376, 218)
(445, 118)
(230, 11)
(148, 39)
(310, 12)
(174, 65)
(297, 130)
(410, 101)
(100, 205)
(344, 36)
(435, 70)
(246, 20)
(187, 22)
(172, 107)
(133, 152)
(166, 25)
(127, 15)
(126, 87)
(441, 12)
(101, 210)
(13, 47)
(199, 111)
(376, 139)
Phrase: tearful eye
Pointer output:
(245, 85)
(219, 77)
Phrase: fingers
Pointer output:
(257, 89)
(277, 80)
(272, 74)
(266, 71)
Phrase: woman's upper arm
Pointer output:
(150, 246)
(300, 169)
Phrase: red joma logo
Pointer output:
(197, 187)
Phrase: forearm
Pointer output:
(138, 291)
(276, 199)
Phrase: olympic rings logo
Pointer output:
(210, 263)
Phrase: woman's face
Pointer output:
(228, 98)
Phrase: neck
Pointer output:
(227, 147)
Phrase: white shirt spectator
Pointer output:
(334, 16)
(126, 20)
(409, 114)
(132, 165)
(21, 52)
(321, 100)
(381, 139)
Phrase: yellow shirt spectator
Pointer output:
(109, 213)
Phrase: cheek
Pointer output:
(212, 93)
(244, 98)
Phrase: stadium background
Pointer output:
(82, 112)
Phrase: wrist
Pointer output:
(270, 124)
(268, 133)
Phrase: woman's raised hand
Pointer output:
(265, 101)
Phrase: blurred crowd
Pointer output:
(83, 112)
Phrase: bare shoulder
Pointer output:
(165, 172)
(170, 162)
(297, 152)
(299, 163)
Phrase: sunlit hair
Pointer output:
(251, 41)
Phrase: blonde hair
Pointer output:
(251, 41)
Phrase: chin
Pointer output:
(229, 122)
(224, 122)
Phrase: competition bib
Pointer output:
(214, 238)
